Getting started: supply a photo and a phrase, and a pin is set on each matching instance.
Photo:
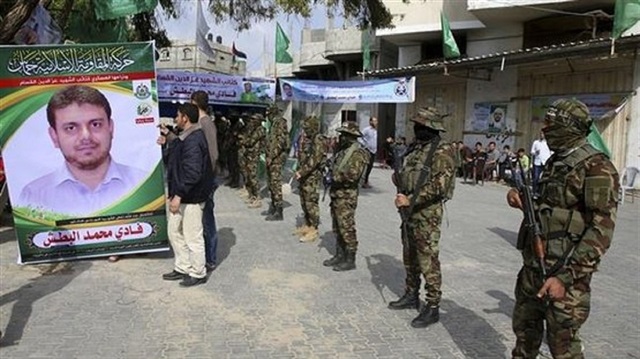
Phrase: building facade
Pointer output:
(184, 56)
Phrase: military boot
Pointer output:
(337, 258)
(428, 315)
(348, 263)
(309, 236)
(254, 202)
(409, 300)
(269, 211)
(276, 215)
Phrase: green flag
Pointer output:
(449, 46)
(627, 14)
(596, 140)
(282, 45)
(366, 50)
(113, 9)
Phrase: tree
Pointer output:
(240, 13)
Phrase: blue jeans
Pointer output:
(535, 176)
(210, 230)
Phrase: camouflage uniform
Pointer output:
(420, 249)
(348, 166)
(254, 143)
(276, 155)
(311, 159)
(242, 154)
(577, 211)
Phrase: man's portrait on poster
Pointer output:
(83, 135)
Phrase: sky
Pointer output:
(253, 42)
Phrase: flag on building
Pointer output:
(596, 140)
(237, 53)
(366, 50)
(202, 29)
(282, 47)
(449, 46)
(627, 14)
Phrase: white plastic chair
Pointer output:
(627, 182)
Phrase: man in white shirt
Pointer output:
(369, 140)
(90, 180)
(540, 153)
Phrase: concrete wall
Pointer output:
(424, 16)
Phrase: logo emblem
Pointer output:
(144, 109)
(142, 92)
(401, 89)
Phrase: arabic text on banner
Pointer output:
(178, 85)
(393, 90)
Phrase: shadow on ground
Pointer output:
(510, 236)
(472, 334)
(328, 242)
(226, 240)
(53, 278)
(505, 303)
(386, 271)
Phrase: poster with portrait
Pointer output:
(78, 137)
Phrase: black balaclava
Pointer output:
(424, 133)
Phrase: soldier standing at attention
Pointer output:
(348, 166)
(276, 155)
(425, 181)
(312, 158)
(255, 142)
(577, 213)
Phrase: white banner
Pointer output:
(393, 90)
(179, 85)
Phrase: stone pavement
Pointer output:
(271, 297)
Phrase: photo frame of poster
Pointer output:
(29, 152)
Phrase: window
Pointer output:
(347, 115)
(165, 55)
(187, 54)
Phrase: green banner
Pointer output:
(112, 9)
(78, 131)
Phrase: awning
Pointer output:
(595, 47)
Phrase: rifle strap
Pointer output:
(422, 179)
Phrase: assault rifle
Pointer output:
(531, 222)
(405, 212)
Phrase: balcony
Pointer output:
(491, 10)
(345, 44)
(312, 49)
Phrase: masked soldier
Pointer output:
(312, 156)
(576, 212)
(277, 151)
(425, 181)
(254, 143)
(348, 166)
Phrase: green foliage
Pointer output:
(241, 14)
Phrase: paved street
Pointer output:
(272, 298)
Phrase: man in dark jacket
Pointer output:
(190, 181)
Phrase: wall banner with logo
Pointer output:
(392, 90)
(78, 137)
(179, 85)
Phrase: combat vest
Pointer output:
(560, 211)
(414, 163)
